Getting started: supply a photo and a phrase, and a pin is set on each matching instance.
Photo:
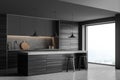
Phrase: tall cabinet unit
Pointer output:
(3, 38)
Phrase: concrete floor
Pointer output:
(101, 72)
(95, 72)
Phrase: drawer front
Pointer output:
(36, 64)
(36, 71)
(36, 68)
(36, 58)
(36, 61)
(12, 60)
(50, 62)
(33, 64)
(54, 68)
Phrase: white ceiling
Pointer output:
(112, 5)
(54, 9)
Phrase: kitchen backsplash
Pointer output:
(42, 42)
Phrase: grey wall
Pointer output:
(65, 31)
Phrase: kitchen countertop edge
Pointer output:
(52, 52)
(40, 52)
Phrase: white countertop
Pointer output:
(53, 52)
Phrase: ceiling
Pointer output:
(53, 9)
(112, 5)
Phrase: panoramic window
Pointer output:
(101, 43)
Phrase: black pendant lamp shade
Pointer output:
(72, 36)
(35, 34)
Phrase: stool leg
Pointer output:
(73, 63)
(79, 64)
(67, 65)
(85, 62)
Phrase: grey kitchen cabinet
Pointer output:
(44, 27)
(55, 63)
(21, 25)
(13, 25)
(36, 64)
(12, 59)
(32, 64)
(3, 55)
(40, 64)
(28, 25)
(41, 27)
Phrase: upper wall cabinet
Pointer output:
(28, 25)
(21, 25)
(13, 25)
(45, 27)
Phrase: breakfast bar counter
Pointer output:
(49, 61)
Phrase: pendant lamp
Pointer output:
(35, 34)
(72, 35)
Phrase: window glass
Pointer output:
(101, 43)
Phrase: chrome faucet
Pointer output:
(14, 44)
(9, 45)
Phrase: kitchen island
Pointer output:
(48, 61)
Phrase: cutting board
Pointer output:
(24, 45)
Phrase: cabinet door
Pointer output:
(28, 25)
(36, 64)
(55, 63)
(13, 24)
(12, 59)
(44, 27)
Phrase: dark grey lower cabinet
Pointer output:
(11, 62)
(12, 59)
(22, 64)
(31, 64)
(36, 64)
(55, 63)
(39, 64)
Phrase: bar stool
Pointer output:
(68, 61)
(82, 62)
